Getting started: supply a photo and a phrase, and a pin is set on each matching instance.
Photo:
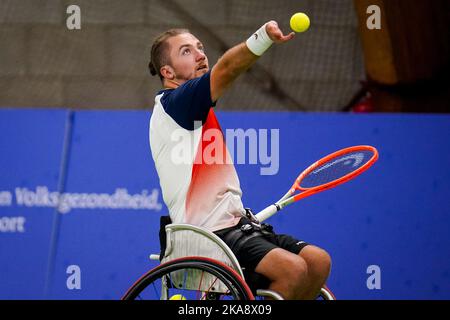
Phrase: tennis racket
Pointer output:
(329, 172)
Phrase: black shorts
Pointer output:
(250, 247)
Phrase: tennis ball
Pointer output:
(300, 22)
(177, 297)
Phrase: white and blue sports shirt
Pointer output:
(196, 191)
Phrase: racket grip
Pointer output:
(266, 213)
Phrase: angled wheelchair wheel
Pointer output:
(326, 294)
(190, 278)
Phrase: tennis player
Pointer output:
(206, 192)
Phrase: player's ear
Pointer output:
(167, 72)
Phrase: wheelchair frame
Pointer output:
(204, 241)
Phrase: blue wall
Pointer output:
(395, 216)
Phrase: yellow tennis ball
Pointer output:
(300, 22)
(177, 297)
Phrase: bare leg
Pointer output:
(288, 273)
(319, 265)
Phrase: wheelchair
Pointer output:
(205, 268)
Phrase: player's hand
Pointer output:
(275, 33)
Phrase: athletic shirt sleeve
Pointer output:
(189, 102)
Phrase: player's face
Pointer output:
(188, 58)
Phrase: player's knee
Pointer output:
(296, 272)
(327, 260)
(321, 263)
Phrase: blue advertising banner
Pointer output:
(109, 219)
(31, 147)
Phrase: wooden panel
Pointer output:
(378, 52)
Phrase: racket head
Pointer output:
(336, 168)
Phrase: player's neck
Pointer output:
(171, 84)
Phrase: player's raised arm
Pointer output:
(241, 57)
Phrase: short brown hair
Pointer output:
(158, 54)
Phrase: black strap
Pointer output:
(163, 222)
(236, 238)
(232, 237)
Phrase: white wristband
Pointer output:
(259, 42)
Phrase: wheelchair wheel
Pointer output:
(190, 278)
(326, 294)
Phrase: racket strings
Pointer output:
(336, 168)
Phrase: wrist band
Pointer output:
(259, 42)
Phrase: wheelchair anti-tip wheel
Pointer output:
(190, 278)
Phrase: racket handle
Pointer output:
(266, 213)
